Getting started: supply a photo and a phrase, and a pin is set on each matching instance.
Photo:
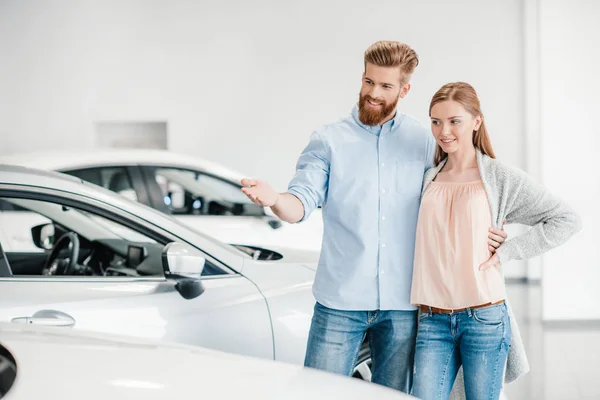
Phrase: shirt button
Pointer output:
(383, 218)
(383, 164)
(382, 190)
(382, 272)
(383, 245)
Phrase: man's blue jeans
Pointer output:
(477, 339)
(336, 337)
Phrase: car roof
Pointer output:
(60, 160)
(17, 174)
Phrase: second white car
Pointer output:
(200, 193)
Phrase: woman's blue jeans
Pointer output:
(478, 339)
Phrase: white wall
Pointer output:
(235, 79)
(570, 87)
(243, 83)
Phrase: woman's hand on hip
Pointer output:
(493, 262)
(496, 237)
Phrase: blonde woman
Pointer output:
(464, 320)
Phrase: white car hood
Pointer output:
(64, 364)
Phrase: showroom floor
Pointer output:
(563, 358)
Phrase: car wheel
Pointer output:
(362, 370)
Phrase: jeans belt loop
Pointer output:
(469, 312)
(430, 311)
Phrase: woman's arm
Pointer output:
(553, 222)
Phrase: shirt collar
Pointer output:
(376, 130)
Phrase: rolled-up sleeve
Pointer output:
(311, 180)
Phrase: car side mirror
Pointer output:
(184, 264)
(43, 236)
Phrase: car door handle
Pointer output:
(47, 318)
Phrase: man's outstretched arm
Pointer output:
(306, 191)
(285, 205)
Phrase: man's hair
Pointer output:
(393, 54)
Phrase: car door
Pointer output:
(230, 315)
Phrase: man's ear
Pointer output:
(404, 91)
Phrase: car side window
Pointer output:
(116, 179)
(176, 197)
(191, 192)
(54, 238)
(8, 207)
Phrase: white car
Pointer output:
(38, 363)
(199, 193)
(107, 264)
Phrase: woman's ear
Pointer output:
(478, 122)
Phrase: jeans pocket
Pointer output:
(423, 315)
(492, 315)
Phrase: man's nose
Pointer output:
(375, 93)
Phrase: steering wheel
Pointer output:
(56, 265)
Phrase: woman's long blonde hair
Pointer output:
(465, 95)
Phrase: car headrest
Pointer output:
(119, 182)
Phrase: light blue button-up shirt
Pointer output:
(368, 181)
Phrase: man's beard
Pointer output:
(371, 117)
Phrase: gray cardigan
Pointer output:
(514, 196)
